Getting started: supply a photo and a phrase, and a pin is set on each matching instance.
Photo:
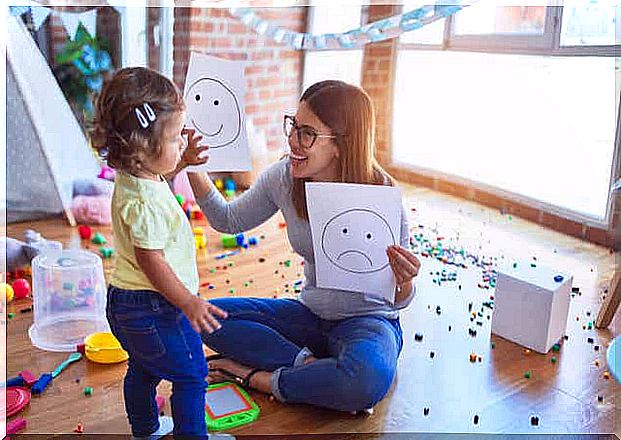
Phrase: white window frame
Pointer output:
(309, 26)
(549, 45)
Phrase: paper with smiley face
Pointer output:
(352, 225)
(214, 97)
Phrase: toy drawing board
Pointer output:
(228, 406)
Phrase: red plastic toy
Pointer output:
(85, 232)
(21, 288)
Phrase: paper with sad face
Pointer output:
(352, 225)
(214, 97)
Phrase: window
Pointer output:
(537, 126)
(345, 64)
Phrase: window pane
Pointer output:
(334, 18)
(485, 18)
(515, 122)
(431, 34)
(589, 24)
(345, 65)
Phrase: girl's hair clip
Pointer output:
(142, 119)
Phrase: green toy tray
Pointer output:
(228, 406)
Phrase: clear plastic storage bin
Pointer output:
(69, 295)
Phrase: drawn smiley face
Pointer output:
(356, 241)
(214, 112)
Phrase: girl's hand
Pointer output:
(192, 155)
(404, 264)
(201, 313)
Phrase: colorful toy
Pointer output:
(106, 252)
(16, 425)
(98, 238)
(219, 184)
(85, 232)
(104, 348)
(229, 185)
(228, 406)
(196, 213)
(180, 199)
(45, 379)
(21, 288)
(16, 400)
(88, 391)
(232, 241)
(23, 379)
(200, 241)
(8, 291)
(18, 254)
(94, 210)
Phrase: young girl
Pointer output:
(329, 348)
(153, 308)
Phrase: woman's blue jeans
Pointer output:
(357, 357)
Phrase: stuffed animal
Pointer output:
(18, 254)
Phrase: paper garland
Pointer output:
(70, 20)
(377, 31)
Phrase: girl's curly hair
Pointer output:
(117, 133)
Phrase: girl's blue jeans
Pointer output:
(357, 357)
(162, 345)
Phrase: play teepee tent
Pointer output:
(46, 148)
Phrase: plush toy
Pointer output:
(18, 254)
(93, 210)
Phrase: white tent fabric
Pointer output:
(46, 147)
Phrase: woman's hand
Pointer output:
(202, 315)
(404, 264)
(192, 155)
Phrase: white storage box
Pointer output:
(531, 305)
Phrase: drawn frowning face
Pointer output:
(214, 111)
(356, 241)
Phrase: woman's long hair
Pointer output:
(348, 111)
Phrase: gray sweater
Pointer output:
(270, 193)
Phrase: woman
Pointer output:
(330, 348)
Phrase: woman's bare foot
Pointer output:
(260, 381)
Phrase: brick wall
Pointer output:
(378, 80)
(273, 72)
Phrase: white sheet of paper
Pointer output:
(352, 225)
(214, 97)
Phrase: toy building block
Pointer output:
(98, 238)
(232, 241)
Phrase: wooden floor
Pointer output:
(564, 395)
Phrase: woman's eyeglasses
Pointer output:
(306, 135)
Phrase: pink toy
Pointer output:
(92, 209)
(181, 185)
(107, 173)
(21, 288)
(16, 425)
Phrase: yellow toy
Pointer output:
(7, 290)
(219, 184)
(199, 238)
